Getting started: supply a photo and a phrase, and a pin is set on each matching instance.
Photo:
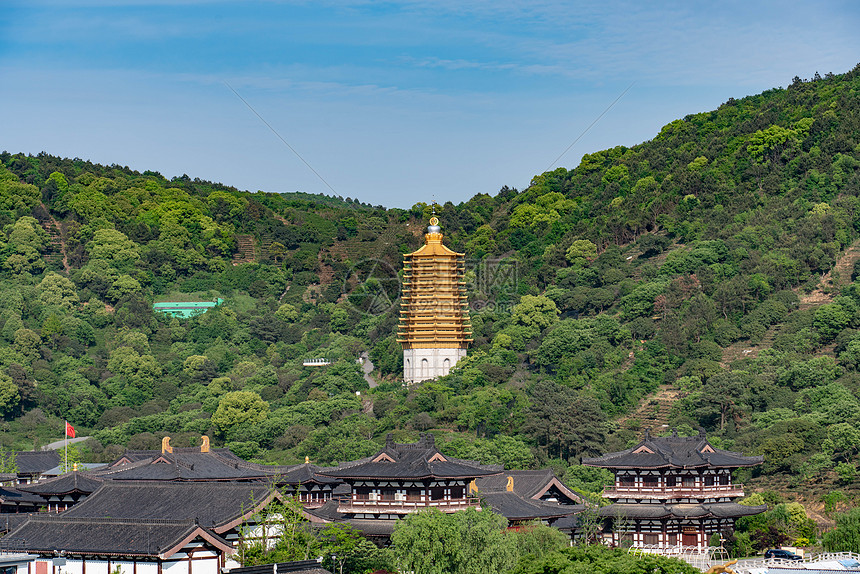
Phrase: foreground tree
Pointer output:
(599, 559)
(467, 542)
(845, 536)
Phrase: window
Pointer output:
(671, 480)
(689, 480)
(724, 479)
(628, 480)
(673, 538)
(709, 481)
(650, 481)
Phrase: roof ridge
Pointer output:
(173, 484)
(52, 517)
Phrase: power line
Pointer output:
(274, 131)
(591, 125)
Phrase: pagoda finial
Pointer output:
(434, 224)
(307, 460)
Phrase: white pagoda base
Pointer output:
(425, 364)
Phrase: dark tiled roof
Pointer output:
(110, 536)
(370, 527)
(304, 474)
(36, 461)
(411, 461)
(731, 509)
(9, 521)
(16, 496)
(720, 509)
(135, 455)
(214, 505)
(514, 507)
(67, 483)
(527, 483)
(673, 452)
(188, 464)
(218, 464)
(327, 512)
(567, 523)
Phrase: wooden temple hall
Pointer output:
(672, 492)
(434, 318)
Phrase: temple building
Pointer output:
(672, 492)
(172, 465)
(434, 318)
(402, 479)
(525, 496)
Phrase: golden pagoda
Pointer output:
(434, 317)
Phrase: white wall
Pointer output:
(425, 364)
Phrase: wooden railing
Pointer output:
(390, 504)
(679, 491)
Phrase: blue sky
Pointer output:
(390, 102)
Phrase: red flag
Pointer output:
(70, 430)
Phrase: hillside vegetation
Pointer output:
(700, 264)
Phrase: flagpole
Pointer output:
(66, 436)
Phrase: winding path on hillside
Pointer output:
(367, 368)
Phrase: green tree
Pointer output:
(114, 248)
(465, 542)
(124, 286)
(599, 559)
(9, 396)
(238, 408)
(845, 536)
(535, 311)
(56, 290)
(563, 421)
(8, 463)
(581, 249)
(284, 516)
(287, 313)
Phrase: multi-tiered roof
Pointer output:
(433, 305)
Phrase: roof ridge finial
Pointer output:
(434, 221)
(647, 433)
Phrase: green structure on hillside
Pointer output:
(186, 309)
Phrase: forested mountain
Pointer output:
(701, 264)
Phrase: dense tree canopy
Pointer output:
(715, 259)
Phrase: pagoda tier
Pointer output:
(433, 306)
(434, 328)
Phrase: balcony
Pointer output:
(403, 505)
(680, 491)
